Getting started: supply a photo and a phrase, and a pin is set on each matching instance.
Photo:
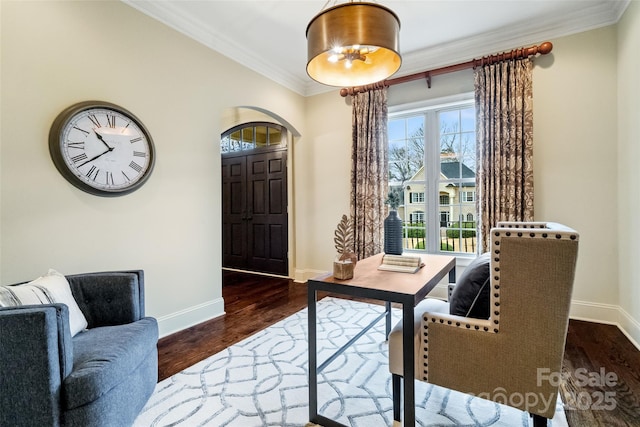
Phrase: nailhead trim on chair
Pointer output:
(513, 224)
(492, 325)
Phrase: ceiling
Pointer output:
(269, 36)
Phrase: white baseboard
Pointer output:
(609, 314)
(191, 316)
(301, 276)
(630, 327)
(594, 312)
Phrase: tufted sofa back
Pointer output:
(109, 298)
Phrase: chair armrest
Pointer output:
(429, 318)
(35, 356)
(458, 347)
(492, 364)
(109, 298)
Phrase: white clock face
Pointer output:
(105, 151)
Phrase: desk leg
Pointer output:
(452, 275)
(313, 361)
(387, 306)
(408, 360)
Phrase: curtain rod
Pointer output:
(520, 53)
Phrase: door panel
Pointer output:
(261, 199)
(234, 232)
(275, 240)
(276, 198)
(257, 196)
(236, 200)
(236, 238)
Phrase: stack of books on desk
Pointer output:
(400, 263)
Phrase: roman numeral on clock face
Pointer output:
(93, 173)
(136, 167)
(111, 120)
(78, 145)
(81, 130)
(94, 120)
(79, 157)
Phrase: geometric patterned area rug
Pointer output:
(262, 381)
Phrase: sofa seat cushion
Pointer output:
(105, 357)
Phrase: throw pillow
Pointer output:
(50, 288)
(470, 297)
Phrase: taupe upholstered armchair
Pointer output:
(520, 346)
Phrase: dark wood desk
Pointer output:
(391, 287)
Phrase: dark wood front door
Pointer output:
(254, 212)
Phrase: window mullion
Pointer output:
(432, 175)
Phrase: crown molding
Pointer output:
(583, 19)
(171, 15)
(512, 37)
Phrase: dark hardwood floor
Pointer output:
(601, 368)
(252, 303)
(601, 372)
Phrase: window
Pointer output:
(417, 197)
(416, 217)
(252, 136)
(432, 158)
(444, 219)
(468, 196)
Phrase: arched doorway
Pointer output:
(254, 198)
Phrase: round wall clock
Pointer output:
(101, 148)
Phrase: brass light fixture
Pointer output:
(353, 44)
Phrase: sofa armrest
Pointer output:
(109, 298)
(35, 356)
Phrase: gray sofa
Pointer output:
(101, 377)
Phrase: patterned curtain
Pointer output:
(369, 171)
(504, 109)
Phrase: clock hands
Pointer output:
(109, 149)
(102, 139)
(95, 157)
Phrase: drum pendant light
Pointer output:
(353, 44)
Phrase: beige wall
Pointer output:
(575, 159)
(57, 53)
(628, 170)
(322, 181)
